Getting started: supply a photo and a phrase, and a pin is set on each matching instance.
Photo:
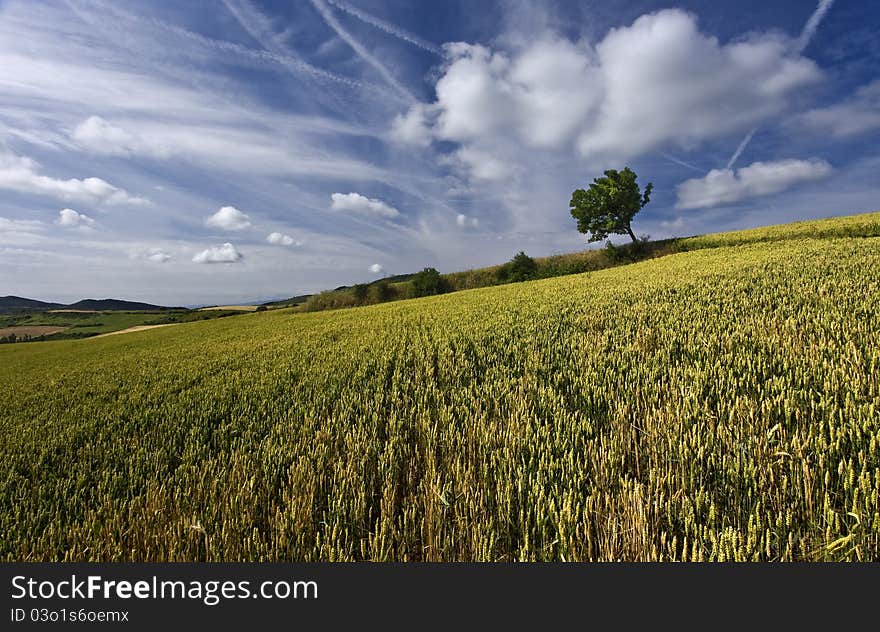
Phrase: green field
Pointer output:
(717, 404)
(86, 324)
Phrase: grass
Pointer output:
(718, 404)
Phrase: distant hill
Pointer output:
(18, 304)
(286, 302)
(12, 304)
(116, 305)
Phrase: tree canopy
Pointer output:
(521, 268)
(609, 205)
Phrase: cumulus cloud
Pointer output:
(464, 221)
(279, 239)
(376, 269)
(99, 136)
(659, 80)
(19, 173)
(857, 114)
(357, 203)
(68, 218)
(723, 186)
(412, 127)
(225, 253)
(228, 218)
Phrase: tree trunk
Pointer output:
(631, 234)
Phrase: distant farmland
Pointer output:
(717, 404)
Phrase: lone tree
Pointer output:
(609, 205)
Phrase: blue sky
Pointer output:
(227, 150)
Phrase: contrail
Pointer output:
(812, 25)
(358, 48)
(679, 162)
(260, 28)
(740, 148)
(256, 24)
(387, 27)
(807, 34)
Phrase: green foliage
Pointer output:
(719, 404)
(360, 292)
(381, 292)
(521, 268)
(428, 282)
(261, 308)
(330, 299)
(609, 205)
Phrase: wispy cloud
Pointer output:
(858, 113)
(725, 186)
(22, 174)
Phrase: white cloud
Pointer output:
(219, 254)
(376, 269)
(279, 239)
(19, 173)
(96, 134)
(157, 255)
(483, 164)
(357, 203)
(723, 186)
(229, 218)
(464, 221)
(412, 127)
(857, 114)
(68, 218)
(657, 81)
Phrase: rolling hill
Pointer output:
(719, 403)
(10, 304)
(14, 304)
(112, 304)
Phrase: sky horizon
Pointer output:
(214, 152)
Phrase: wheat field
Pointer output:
(717, 404)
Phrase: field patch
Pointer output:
(30, 331)
(133, 329)
(234, 308)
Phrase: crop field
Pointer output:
(717, 404)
